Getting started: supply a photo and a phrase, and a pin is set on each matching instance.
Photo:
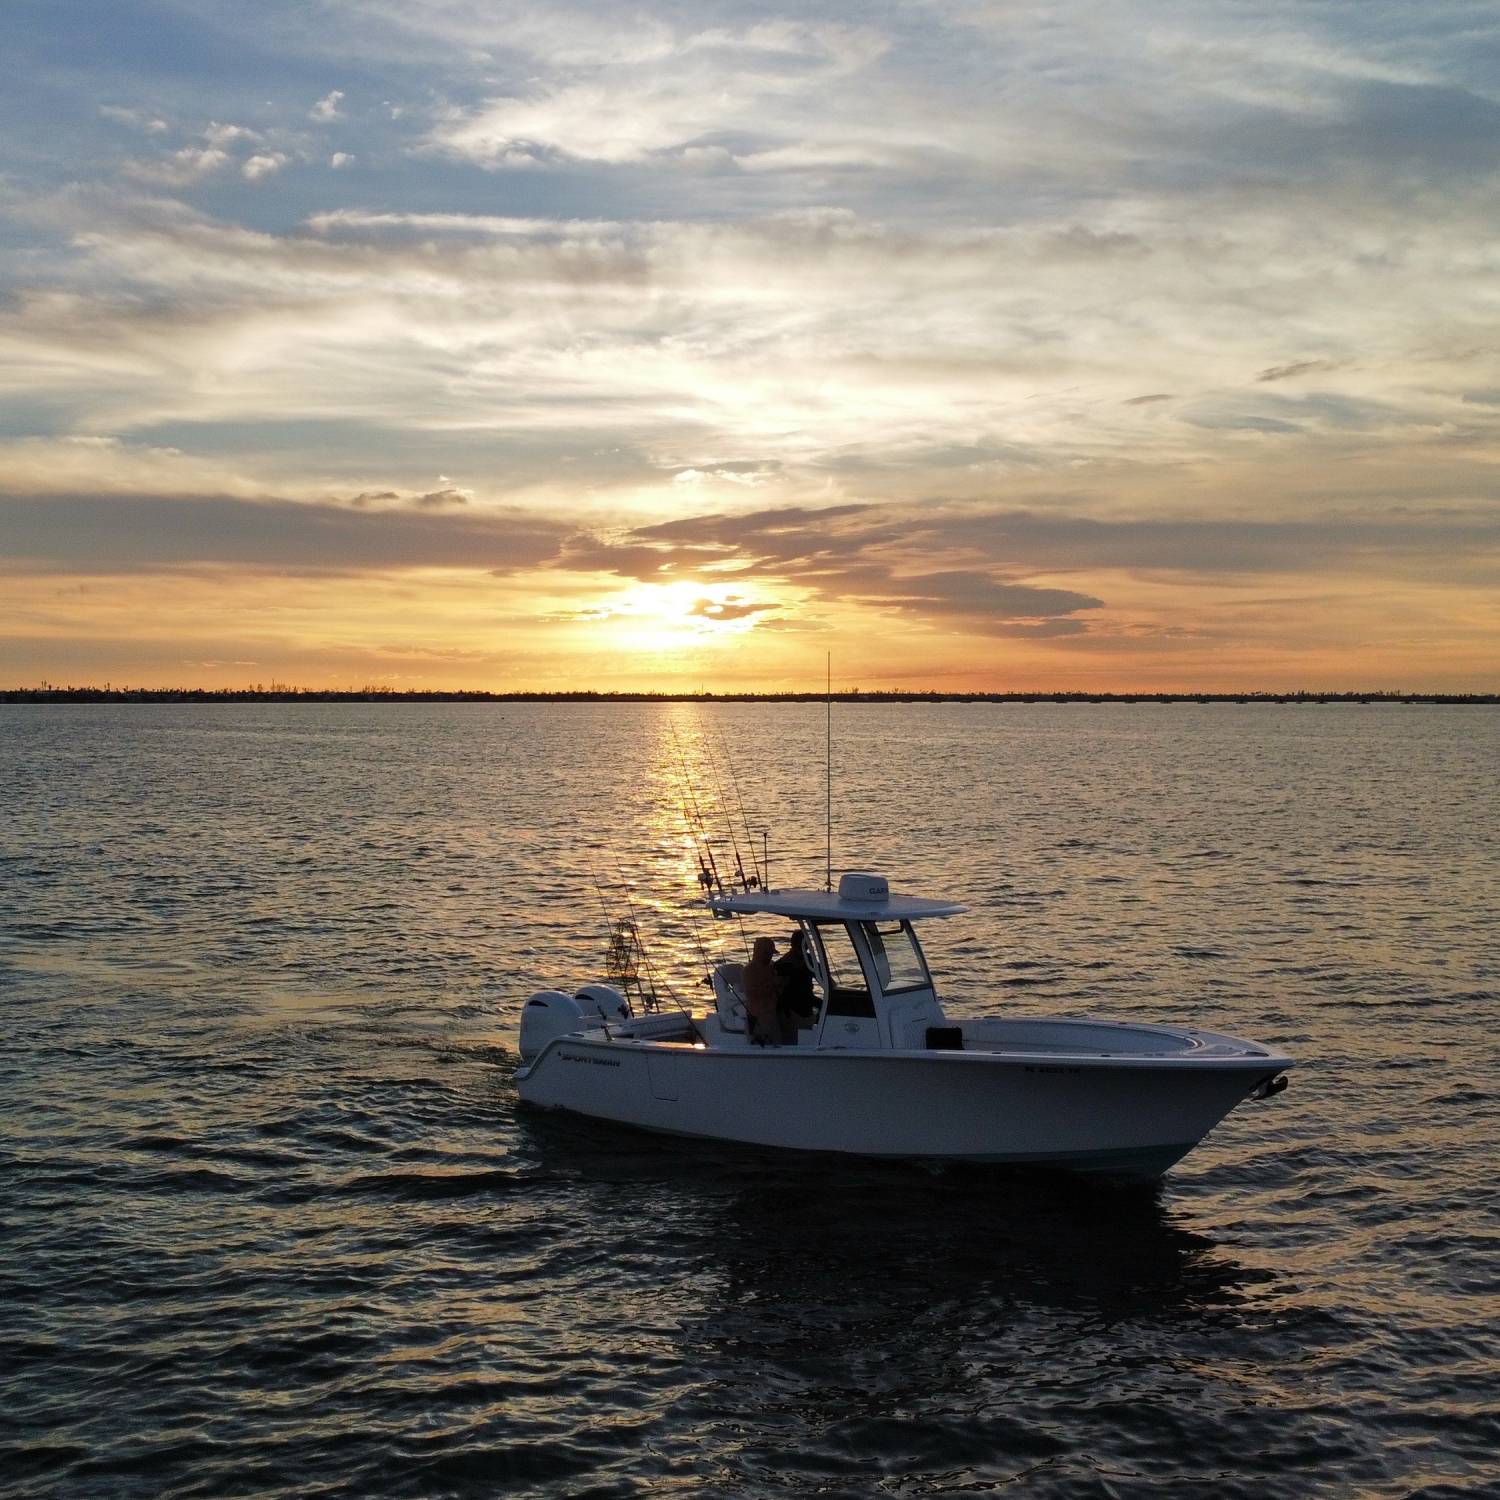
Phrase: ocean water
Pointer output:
(271, 1223)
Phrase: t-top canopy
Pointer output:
(821, 906)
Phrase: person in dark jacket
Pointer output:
(796, 1003)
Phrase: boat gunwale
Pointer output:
(1187, 1060)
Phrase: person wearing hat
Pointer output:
(760, 994)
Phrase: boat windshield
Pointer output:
(848, 994)
(899, 964)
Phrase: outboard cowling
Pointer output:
(549, 1014)
(604, 999)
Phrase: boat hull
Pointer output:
(1123, 1115)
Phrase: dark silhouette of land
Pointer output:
(49, 693)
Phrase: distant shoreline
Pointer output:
(380, 695)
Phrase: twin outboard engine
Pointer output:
(551, 1013)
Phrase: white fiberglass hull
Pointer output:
(1020, 1093)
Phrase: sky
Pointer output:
(985, 345)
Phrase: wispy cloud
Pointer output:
(678, 91)
(1291, 371)
(136, 119)
(150, 533)
(994, 555)
(805, 343)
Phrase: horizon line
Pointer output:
(280, 693)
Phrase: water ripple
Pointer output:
(274, 1226)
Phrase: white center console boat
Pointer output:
(880, 1070)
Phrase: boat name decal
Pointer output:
(1031, 1069)
(598, 1062)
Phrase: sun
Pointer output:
(672, 616)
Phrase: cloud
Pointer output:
(146, 533)
(674, 93)
(978, 594)
(747, 473)
(763, 527)
(263, 164)
(643, 561)
(1301, 367)
(224, 136)
(195, 163)
(995, 560)
(136, 119)
(103, 465)
(819, 344)
(935, 108)
(1206, 299)
(724, 610)
(180, 168)
(589, 615)
(850, 554)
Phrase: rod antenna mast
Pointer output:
(828, 774)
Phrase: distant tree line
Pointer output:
(276, 693)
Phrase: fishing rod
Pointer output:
(734, 781)
(696, 834)
(828, 766)
(609, 924)
(708, 869)
(617, 935)
(695, 913)
(640, 946)
(695, 908)
(739, 864)
(709, 872)
(609, 919)
(695, 919)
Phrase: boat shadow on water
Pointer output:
(788, 1228)
(833, 1317)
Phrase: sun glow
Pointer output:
(682, 614)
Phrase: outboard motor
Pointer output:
(549, 1014)
(604, 1000)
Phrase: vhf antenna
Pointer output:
(828, 773)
